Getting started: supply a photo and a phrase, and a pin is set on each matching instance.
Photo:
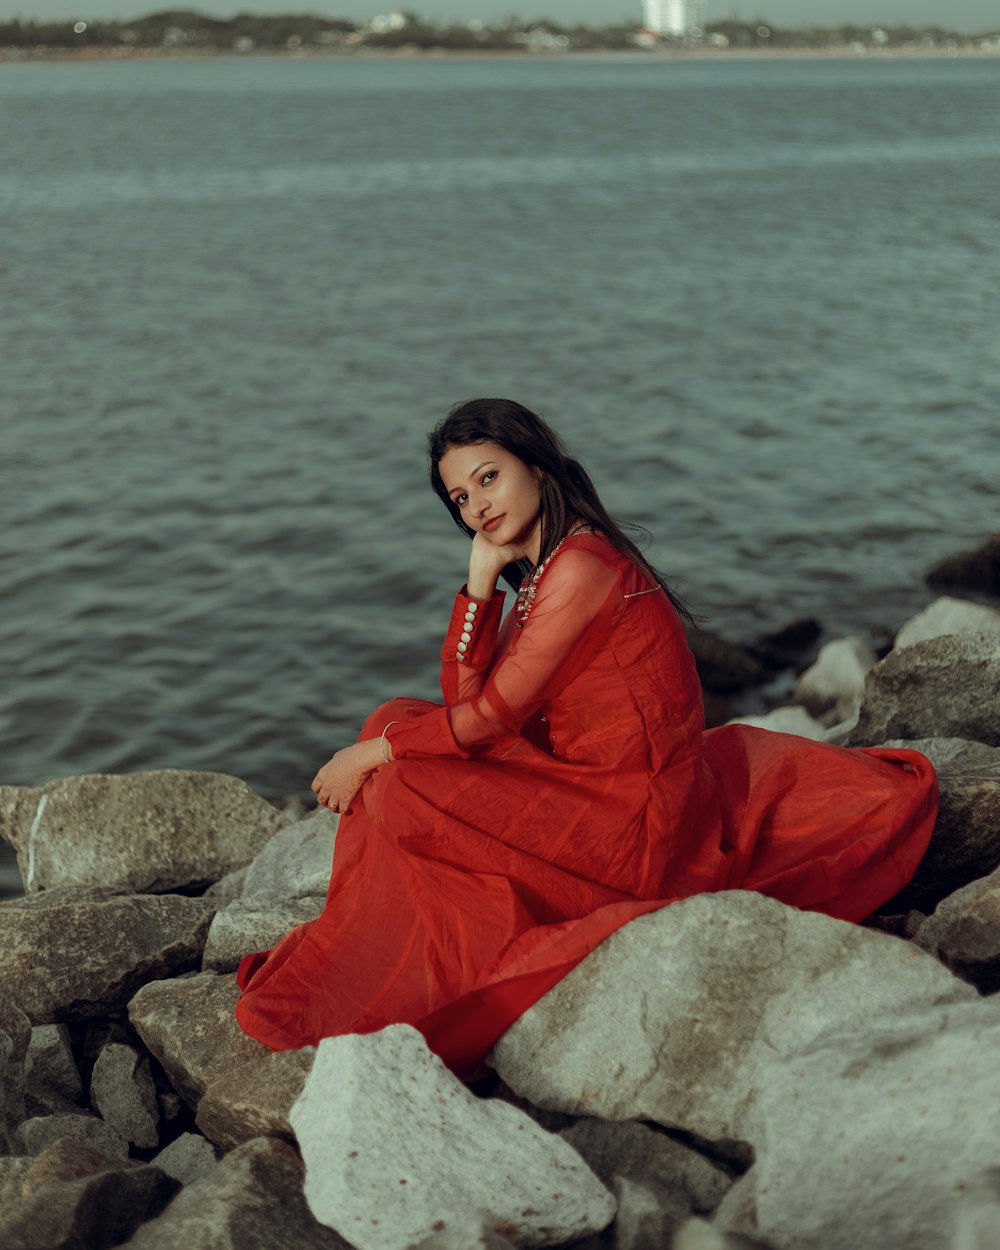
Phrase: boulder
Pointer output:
(188, 1158)
(296, 862)
(66, 1159)
(96, 1210)
(944, 687)
(978, 569)
(948, 616)
(675, 1016)
(684, 1180)
(251, 1201)
(395, 1147)
(894, 1120)
(72, 954)
(722, 665)
(122, 1091)
(786, 647)
(15, 1037)
(834, 685)
(240, 1088)
(786, 720)
(965, 844)
(36, 1135)
(964, 933)
(154, 831)
(253, 924)
(50, 1066)
(13, 1169)
(228, 887)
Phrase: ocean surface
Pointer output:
(759, 298)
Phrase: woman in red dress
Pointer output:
(566, 785)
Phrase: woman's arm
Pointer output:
(572, 608)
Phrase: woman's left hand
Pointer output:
(341, 777)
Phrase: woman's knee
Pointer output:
(393, 710)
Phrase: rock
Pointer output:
(72, 954)
(944, 687)
(786, 720)
(674, 1017)
(66, 1159)
(965, 844)
(15, 1036)
(13, 1169)
(386, 1131)
(249, 925)
(140, 831)
(977, 1221)
(834, 685)
(227, 888)
(251, 1201)
(296, 862)
(121, 1089)
(685, 1180)
(239, 1088)
(97, 1210)
(894, 1119)
(785, 647)
(188, 1158)
(948, 616)
(698, 1234)
(644, 1218)
(721, 665)
(40, 1132)
(972, 570)
(50, 1064)
(964, 933)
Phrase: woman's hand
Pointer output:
(487, 562)
(341, 777)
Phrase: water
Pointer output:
(759, 298)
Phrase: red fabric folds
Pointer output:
(565, 787)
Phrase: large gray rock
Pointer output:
(188, 1158)
(141, 831)
(50, 1066)
(948, 616)
(964, 933)
(965, 844)
(296, 862)
(674, 1018)
(15, 1037)
(978, 569)
(36, 1135)
(867, 1140)
(253, 924)
(251, 1201)
(94, 1210)
(386, 1130)
(72, 954)
(834, 685)
(121, 1089)
(785, 720)
(944, 687)
(240, 1088)
(613, 1150)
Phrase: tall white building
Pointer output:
(671, 17)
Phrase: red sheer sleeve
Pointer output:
(469, 645)
(574, 601)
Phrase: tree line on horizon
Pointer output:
(188, 29)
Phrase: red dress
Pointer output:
(566, 787)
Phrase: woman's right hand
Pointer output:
(487, 562)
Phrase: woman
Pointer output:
(565, 787)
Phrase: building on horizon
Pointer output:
(672, 17)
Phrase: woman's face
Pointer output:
(497, 494)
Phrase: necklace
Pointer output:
(526, 594)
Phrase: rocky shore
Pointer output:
(727, 1072)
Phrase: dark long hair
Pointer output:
(567, 494)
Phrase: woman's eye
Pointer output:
(460, 500)
(488, 476)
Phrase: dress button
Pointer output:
(466, 637)
(470, 619)
(473, 608)
(462, 646)
(459, 655)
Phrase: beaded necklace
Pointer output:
(526, 594)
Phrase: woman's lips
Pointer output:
(491, 525)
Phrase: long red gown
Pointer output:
(566, 787)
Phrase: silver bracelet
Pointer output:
(381, 740)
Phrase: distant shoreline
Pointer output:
(16, 56)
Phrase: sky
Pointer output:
(967, 15)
